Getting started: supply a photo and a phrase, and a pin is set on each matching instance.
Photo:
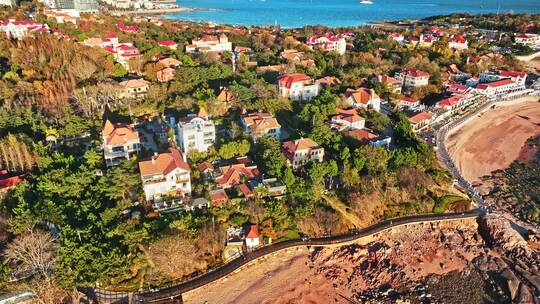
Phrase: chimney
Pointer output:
(154, 158)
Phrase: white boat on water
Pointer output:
(366, 2)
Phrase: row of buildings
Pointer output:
(487, 86)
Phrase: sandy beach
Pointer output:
(494, 139)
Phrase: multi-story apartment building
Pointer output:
(120, 142)
(300, 151)
(195, 132)
(79, 5)
(499, 87)
(297, 87)
(165, 174)
(259, 124)
(518, 77)
(411, 78)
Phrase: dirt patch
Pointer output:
(494, 139)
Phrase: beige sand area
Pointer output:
(282, 278)
(494, 139)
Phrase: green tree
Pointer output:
(268, 156)
(119, 70)
(234, 148)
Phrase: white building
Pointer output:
(18, 29)
(8, 3)
(120, 142)
(297, 87)
(397, 37)
(165, 174)
(195, 132)
(252, 237)
(363, 98)
(210, 44)
(259, 124)
(458, 43)
(329, 43)
(498, 88)
(347, 120)
(300, 151)
(518, 77)
(530, 40)
(411, 78)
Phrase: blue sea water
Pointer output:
(297, 13)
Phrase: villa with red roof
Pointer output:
(411, 78)
(363, 98)
(450, 103)
(252, 237)
(456, 88)
(134, 88)
(169, 44)
(420, 120)
(347, 120)
(297, 87)
(458, 43)
(127, 28)
(300, 151)
(233, 174)
(408, 102)
(329, 43)
(165, 74)
(120, 142)
(258, 124)
(393, 84)
(397, 37)
(165, 174)
(210, 43)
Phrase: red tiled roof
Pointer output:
(164, 163)
(415, 73)
(288, 80)
(253, 232)
(450, 101)
(218, 196)
(119, 133)
(420, 117)
(348, 115)
(513, 74)
(205, 166)
(459, 39)
(245, 190)
(167, 43)
(361, 135)
(409, 99)
(494, 84)
(7, 181)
